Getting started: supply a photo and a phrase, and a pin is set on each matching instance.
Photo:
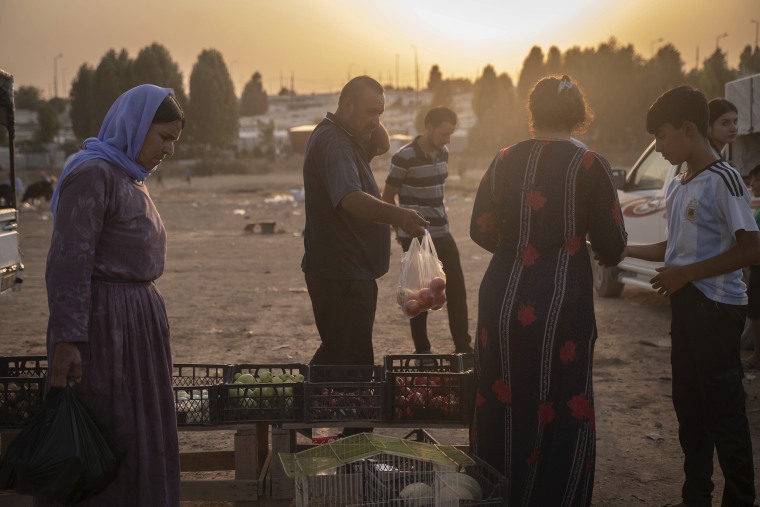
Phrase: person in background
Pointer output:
(108, 332)
(723, 124)
(711, 237)
(417, 175)
(346, 235)
(535, 206)
(753, 286)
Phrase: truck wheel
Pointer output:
(605, 281)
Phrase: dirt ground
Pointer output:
(235, 296)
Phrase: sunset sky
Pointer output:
(323, 42)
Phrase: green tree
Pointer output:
(212, 113)
(83, 121)
(715, 74)
(112, 77)
(493, 99)
(155, 65)
(553, 61)
(254, 100)
(48, 123)
(532, 70)
(27, 97)
(749, 61)
(435, 79)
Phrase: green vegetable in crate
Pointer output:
(265, 376)
(245, 378)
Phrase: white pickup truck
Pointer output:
(642, 190)
(10, 258)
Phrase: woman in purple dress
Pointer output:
(108, 333)
(537, 203)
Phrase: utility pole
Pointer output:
(416, 76)
(55, 74)
(757, 28)
(397, 71)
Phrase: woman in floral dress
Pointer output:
(536, 206)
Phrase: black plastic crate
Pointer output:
(23, 366)
(20, 400)
(427, 388)
(336, 393)
(196, 374)
(448, 363)
(274, 393)
(197, 405)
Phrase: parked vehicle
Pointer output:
(642, 190)
(10, 257)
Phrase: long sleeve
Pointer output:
(76, 233)
(484, 222)
(606, 228)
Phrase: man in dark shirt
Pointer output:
(347, 238)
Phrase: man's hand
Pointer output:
(669, 279)
(67, 365)
(413, 223)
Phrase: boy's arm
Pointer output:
(745, 253)
(654, 252)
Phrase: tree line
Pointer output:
(619, 85)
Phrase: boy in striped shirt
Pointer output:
(417, 175)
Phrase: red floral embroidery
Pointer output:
(526, 315)
(617, 216)
(546, 413)
(573, 245)
(567, 352)
(580, 406)
(503, 152)
(533, 457)
(487, 222)
(529, 255)
(535, 200)
(588, 159)
(479, 399)
(483, 338)
(502, 390)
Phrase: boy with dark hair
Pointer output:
(711, 236)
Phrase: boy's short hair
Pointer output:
(755, 171)
(675, 106)
(439, 115)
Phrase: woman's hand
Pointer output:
(67, 365)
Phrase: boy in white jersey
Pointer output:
(712, 235)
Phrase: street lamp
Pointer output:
(719, 37)
(55, 74)
(757, 27)
(416, 74)
(651, 45)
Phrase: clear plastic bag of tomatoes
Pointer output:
(422, 282)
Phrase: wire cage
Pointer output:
(374, 470)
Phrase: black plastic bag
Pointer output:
(64, 453)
